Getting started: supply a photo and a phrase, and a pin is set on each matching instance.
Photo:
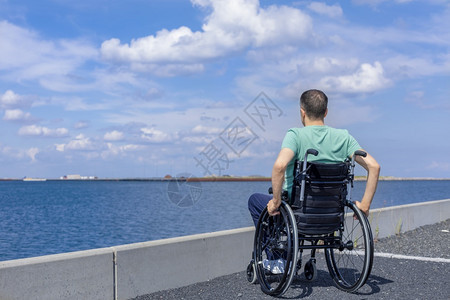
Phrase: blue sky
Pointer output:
(148, 88)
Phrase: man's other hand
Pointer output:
(362, 208)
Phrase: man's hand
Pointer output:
(362, 208)
(272, 207)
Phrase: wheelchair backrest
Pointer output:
(322, 208)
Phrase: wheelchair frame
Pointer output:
(348, 250)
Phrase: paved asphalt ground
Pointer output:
(398, 277)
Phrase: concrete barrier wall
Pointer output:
(76, 275)
(127, 271)
(153, 266)
(396, 219)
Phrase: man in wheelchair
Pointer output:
(333, 145)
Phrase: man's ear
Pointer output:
(326, 112)
(302, 116)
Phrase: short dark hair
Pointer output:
(315, 103)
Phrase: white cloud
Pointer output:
(332, 11)
(327, 65)
(368, 78)
(81, 125)
(25, 55)
(16, 45)
(203, 135)
(9, 98)
(60, 147)
(206, 130)
(12, 100)
(376, 2)
(114, 150)
(113, 136)
(81, 142)
(76, 103)
(155, 136)
(333, 59)
(57, 64)
(402, 66)
(16, 115)
(168, 70)
(132, 147)
(204, 140)
(32, 152)
(232, 26)
(13, 153)
(35, 130)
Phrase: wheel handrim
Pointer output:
(351, 264)
(280, 241)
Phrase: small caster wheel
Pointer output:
(310, 270)
(298, 267)
(251, 272)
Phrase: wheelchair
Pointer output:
(318, 215)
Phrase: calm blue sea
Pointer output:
(39, 218)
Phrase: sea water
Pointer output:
(39, 218)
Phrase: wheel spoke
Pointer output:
(276, 251)
(350, 267)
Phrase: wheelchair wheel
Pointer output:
(310, 270)
(275, 250)
(351, 263)
(251, 273)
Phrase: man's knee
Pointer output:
(257, 202)
(251, 201)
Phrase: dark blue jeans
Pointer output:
(256, 204)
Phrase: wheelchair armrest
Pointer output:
(284, 194)
(360, 153)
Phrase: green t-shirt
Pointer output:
(334, 145)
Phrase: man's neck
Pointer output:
(314, 122)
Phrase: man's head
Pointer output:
(314, 104)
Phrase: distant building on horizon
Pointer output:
(77, 177)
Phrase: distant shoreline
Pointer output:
(220, 179)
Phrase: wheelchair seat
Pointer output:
(322, 209)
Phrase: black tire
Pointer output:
(276, 237)
(310, 270)
(350, 265)
(372, 247)
(251, 273)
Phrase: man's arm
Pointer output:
(373, 171)
(278, 171)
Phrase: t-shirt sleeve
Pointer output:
(290, 141)
(353, 145)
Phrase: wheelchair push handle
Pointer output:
(285, 194)
(312, 151)
(308, 152)
(302, 187)
(357, 153)
(352, 172)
